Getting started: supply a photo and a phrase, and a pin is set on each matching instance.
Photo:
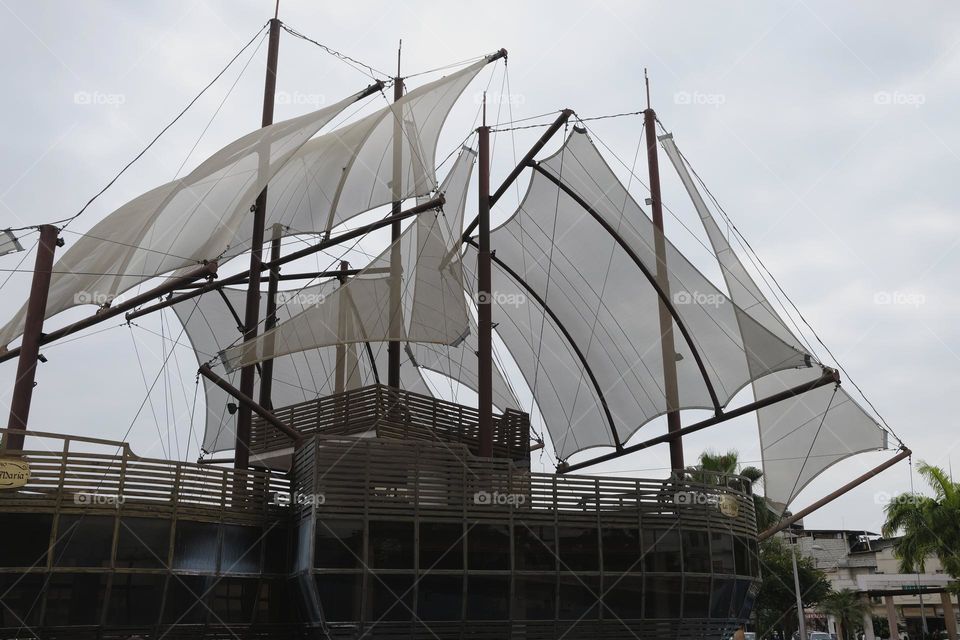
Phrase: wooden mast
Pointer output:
(484, 308)
(396, 292)
(273, 284)
(251, 318)
(32, 334)
(667, 346)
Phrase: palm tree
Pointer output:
(930, 525)
(727, 463)
(847, 608)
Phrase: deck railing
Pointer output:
(396, 414)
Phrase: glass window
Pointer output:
(195, 546)
(276, 601)
(21, 598)
(662, 597)
(135, 599)
(185, 599)
(536, 547)
(696, 552)
(722, 552)
(240, 552)
(391, 544)
(276, 549)
(579, 597)
(741, 555)
(233, 600)
(578, 549)
(440, 597)
(536, 597)
(720, 599)
(441, 545)
(74, 599)
(488, 597)
(340, 596)
(488, 547)
(392, 597)
(740, 606)
(662, 550)
(623, 597)
(84, 541)
(621, 550)
(25, 539)
(339, 544)
(696, 597)
(143, 543)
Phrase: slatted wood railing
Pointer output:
(398, 414)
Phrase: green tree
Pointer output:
(847, 608)
(728, 463)
(775, 608)
(930, 525)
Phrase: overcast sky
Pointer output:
(828, 131)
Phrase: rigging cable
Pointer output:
(351, 62)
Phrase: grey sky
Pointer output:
(826, 130)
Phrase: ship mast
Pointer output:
(667, 346)
(484, 302)
(251, 318)
(393, 347)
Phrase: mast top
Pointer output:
(646, 80)
(276, 10)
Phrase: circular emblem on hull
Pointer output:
(729, 506)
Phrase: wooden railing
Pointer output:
(398, 414)
(107, 474)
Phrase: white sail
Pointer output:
(803, 436)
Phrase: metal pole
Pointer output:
(484, 303)
(252, 404)
(266, 368)
(340, 372)
(251, 319)
(396, 291)
(32, 333)
(667, 348)
(796, 585)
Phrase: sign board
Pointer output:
(14, 473)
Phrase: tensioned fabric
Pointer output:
(314, 186)
(801, 437)
(600, 295)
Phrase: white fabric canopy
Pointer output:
(9, 242)
(801, 437)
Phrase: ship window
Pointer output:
(623, 597)
(340, 597)
(233, 599)
(536, 547)
(195, 548)
(579, 597)
(720, 598)
(240, 552)
(488, 597)
(74, 599)
(339, 544)
(662, 550)
(621, 550)
(440, 597)
(578, 549)
(441, 545)
(21, 597)
(742, 556)
(25, 540)
(722, 552)
(185, 595)
(143, 543)
(135, 599)
(536, 596)
(696, 597)
(662, 597)
(276, 549)
(740, 590)
(488, 547)
(84, 541)
(391, 544)
(392, 597)
(273, 602)
(696, 552)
